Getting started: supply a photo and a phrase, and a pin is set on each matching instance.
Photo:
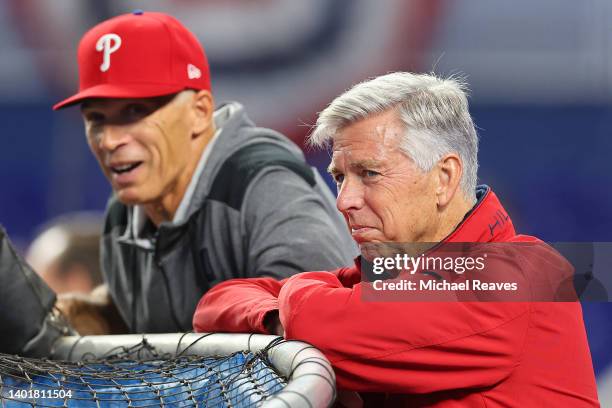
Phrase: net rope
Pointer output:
(139, 376)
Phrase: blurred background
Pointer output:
(540, 73)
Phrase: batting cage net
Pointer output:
(204, 370)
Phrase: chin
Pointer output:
(373, 249)
(128, 196)
(368, 253)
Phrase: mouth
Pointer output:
(124, 168)
(359, 231)
(359, 228)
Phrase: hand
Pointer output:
(273, 324)
(93, 313)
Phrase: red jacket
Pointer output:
(444, 354)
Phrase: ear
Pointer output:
(449, 171)
(203, 106)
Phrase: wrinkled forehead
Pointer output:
(384, 129)
(377, 137)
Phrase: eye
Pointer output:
(338, 178)
(370, 173)
(135, 111)
(94, 118)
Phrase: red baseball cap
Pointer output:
(139, 55)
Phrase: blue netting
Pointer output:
(240, 380)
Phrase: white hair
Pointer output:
(434, 112)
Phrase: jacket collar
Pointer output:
(487, 221)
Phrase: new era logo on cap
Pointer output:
(193, 72)
(139, 55)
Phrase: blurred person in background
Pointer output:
(66, 253)
(201, 194)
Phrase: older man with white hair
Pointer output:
(405, 162)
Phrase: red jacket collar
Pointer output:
(488, 221)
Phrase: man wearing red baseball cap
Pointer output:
(200, 195)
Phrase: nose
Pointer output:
(350, 195)
(111, 137)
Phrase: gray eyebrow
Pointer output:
(367, 164)
(362, 164)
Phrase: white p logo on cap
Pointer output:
(108, 44)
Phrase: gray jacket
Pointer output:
(257, 209)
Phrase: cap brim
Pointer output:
(120, 91)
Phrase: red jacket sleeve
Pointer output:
(237, 306)
(403, 347)
(240, 305)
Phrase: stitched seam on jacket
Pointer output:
(519, 359)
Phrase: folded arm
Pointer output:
(242, 305)
(406, 347)
(237, 306)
